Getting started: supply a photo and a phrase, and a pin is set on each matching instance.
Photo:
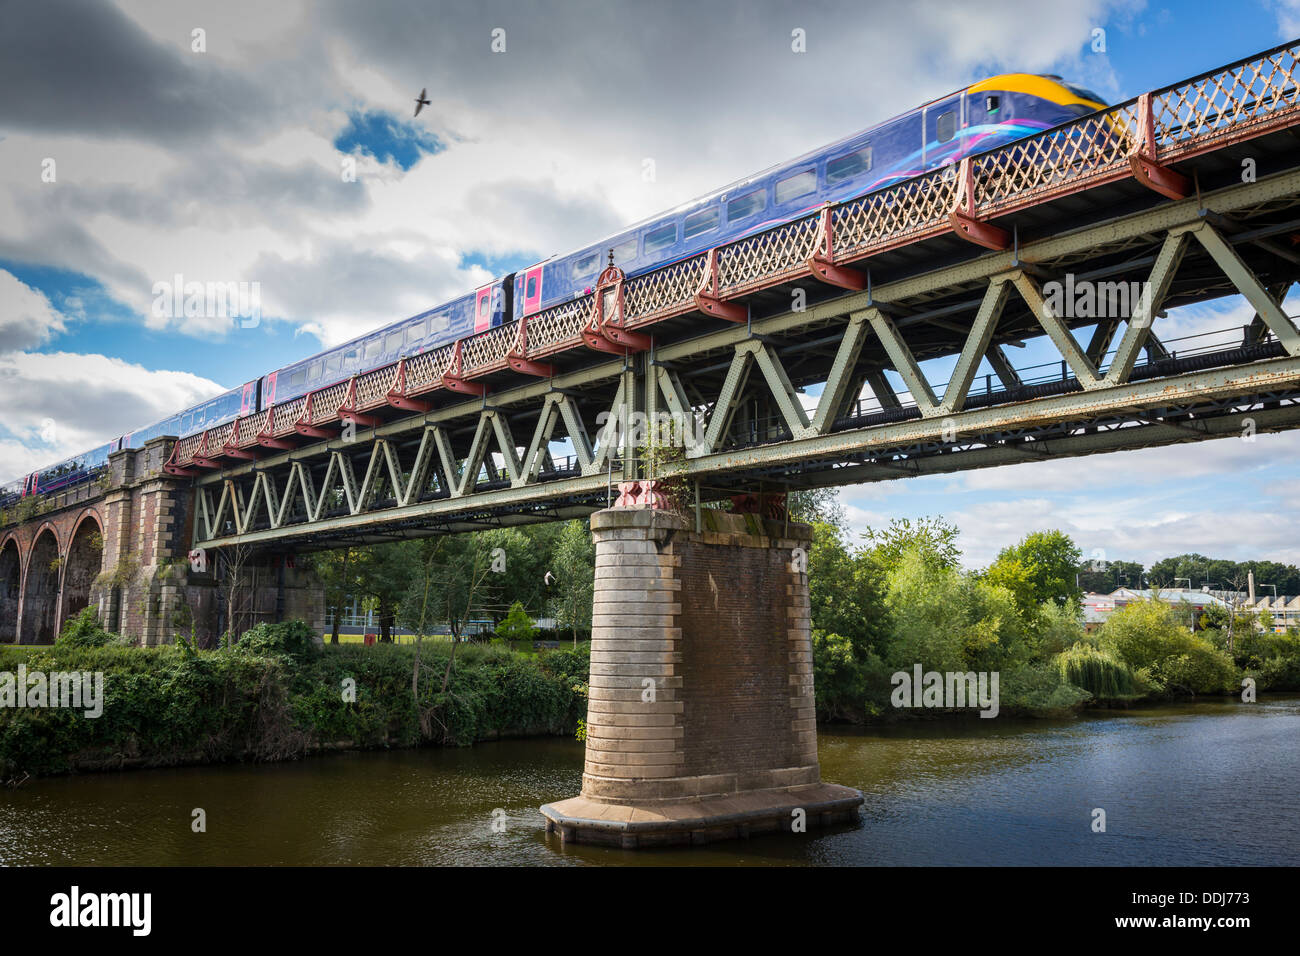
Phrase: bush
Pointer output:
(84, 631)
(1148, 637)
(1097, 672)
(294, 639)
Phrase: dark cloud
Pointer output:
(84, 67)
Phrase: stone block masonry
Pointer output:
(700, 719)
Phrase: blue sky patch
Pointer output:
(386, 138)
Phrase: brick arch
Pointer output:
(83, 562)
(41, 588)
(11, 583)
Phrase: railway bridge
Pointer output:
(778, 357)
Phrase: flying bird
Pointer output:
(421, 102)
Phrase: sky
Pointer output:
(274, 144)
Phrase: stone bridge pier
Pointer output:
(122, 545)
(700, 716)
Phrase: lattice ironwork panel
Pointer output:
(1094, 147)
(894, 215)
(558, 328)
(284, 416)
(768, 254)
(670, 289)
(424, 371)
(325, 403)
(488, 348)
(186, 447)
(1228, 100)
(373, 387)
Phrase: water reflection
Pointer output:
(1211, 783)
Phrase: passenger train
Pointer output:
(987, 115)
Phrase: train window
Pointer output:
(315, 370)
(991, 104)
(792, 187)
(332, 365)
(392, 342)
(746, 205)
(350, 359)
(298, 377)
(700, 222)
(586, 265)
(625, 251)
(848, 165)
(438, 323)
(372, 347)
(661, 238)
(532, 287)
(946, 125)
(414, 333)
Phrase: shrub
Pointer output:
(1097, 672)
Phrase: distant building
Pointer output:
(1098, 607)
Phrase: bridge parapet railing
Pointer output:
(1227, 102)
(666, 291)
(285, 415)
(424, 371)
(486, 352)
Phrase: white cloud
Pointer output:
(26, 316)
(60, 404)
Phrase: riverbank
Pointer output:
(276, 695)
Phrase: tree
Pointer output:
(1042, 567)
(238, 580)
(811, 505)
(517, 626)
(932, 538)
(384, 575)
(574, 570)
(337, 571)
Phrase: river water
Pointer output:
(1204, 783)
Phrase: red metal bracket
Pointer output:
(231, 447)
(628, 494)
(348, 410)
(304, 426)
(769, 504)
(517, 358)
(963, 218)
(605, 331)
(651, 496)
(822, 263)
(708, 301)
(1142, 160)
(453, 379)
(266, 437)
(174, 469)
(397, 396)
(202, 455)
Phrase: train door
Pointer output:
(269, 397)
(483, 309)
(532, 290)
(248, 401)
(942, 123)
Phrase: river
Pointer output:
(1194, 784)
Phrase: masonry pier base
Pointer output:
(700, 717)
